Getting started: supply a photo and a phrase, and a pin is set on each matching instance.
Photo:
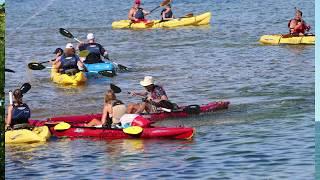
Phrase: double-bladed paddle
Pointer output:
(132, 130)
(9, 70)
(68, 34)
(40, 66)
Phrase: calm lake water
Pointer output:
(267, 133)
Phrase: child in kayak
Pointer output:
(95, 49)
(155, 97)
(297, 26)
(136, 13)
(18, 112)
(166, 13)
(69, 62)
(113, 109)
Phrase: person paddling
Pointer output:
(155, 97)
(137, 13)
(166, 13)
(95, 49)
(297, 26)
(69, 62)
(18, 112)
(113, 110)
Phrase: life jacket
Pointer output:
(69, 62)
(139, 14)
(20, 114)
(94, 55)
(167, 15)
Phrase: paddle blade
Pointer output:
(133, 130)
(25, 88)
(106, 73)
(122, 67)
(115, 88)
(65, 33)
(62, 126)
(9, 70)
(84, 53)
(36, 66)
(165, 2)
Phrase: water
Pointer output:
(267, 133)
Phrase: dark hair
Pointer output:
(298, 11)
(17, 94)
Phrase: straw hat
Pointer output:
(148, 80)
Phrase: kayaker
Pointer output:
(297, 26)
(113, 110)
(18, 112)
(69, 62)
(137, 13)
(58, 52)
(155, 97)
(95, 49)
(166, 13)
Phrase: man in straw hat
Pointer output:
(155, 97)
(297, 26)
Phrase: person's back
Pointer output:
(96, 50)
(166, 13)
(18, 112)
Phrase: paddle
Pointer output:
(132, 130)
(24, 89)
(115, 88)
(68, 34)
(62, 126)
(38, 65)
(164, 3)
(9, 70)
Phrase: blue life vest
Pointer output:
(20, 114)
(167, 15)
(94, 55)
(69, 62)
(139, 14)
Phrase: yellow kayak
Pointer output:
(37, 134)
(202, 19)
(64, 79)
(287, 39)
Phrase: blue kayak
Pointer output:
(107, 67)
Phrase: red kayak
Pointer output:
(182, 112)
(102, 133)
(77, 130)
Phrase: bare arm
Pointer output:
(105, 111)
(9, 116)
(131, 15)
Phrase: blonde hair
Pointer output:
(109, 96)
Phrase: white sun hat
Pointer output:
(69, 46)
(148, 80)
(90, 36)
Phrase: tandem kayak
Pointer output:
(78, 130)
(277, 39)
(37, 134)
(104, 133)
(182, 112)
(97, 67)
(202, 19)
(64, 79)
